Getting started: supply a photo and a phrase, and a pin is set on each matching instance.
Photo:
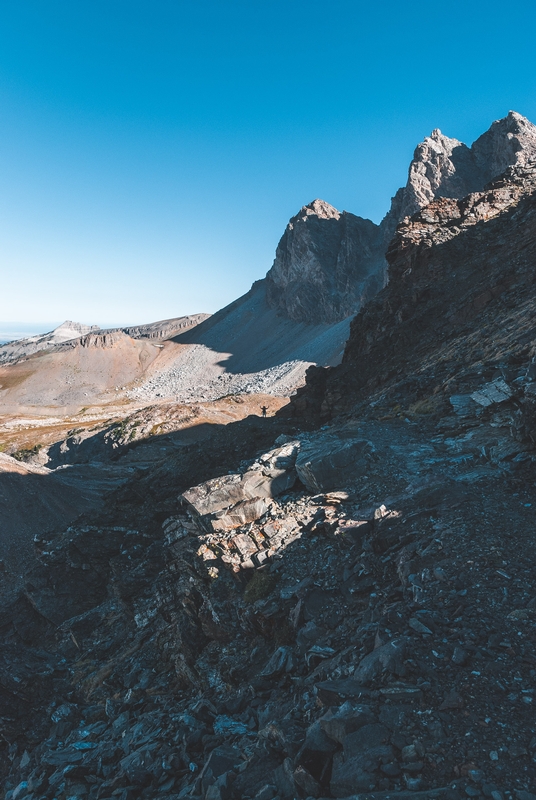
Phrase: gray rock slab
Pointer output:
(388, 658)
(331, 462)
(339, 722)
(357, 773)
(230, 501)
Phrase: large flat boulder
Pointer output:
(240, 514)
(225, 503)
(332, 462)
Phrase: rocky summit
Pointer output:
(443, 167)
(334, 601)
(327, 265)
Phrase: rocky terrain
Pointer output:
(246, 347)
(328, 264)
(12, 351)
(457, 310)
(70, 331)
(53, 471)
(65, 373)
(264, 634)
(336, 601)
(444, 167)
(34, 498)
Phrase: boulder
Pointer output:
(240, 514)
(317, 752)
(225, 503)
(366, 737)
(339, 722)
(306, 782)
(330, 462)
(358, 773)
(496, 391)
(220, 761)
(387, 658)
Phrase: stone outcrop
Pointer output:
(166, 328)
(327, 264)
(228, 502)
(509, 141)
(444, 167)
(332, 462)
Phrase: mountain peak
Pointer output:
(434, 169)
(320, 209)
(327, 264)
(75, 326)
(517, 116)
(445, 167)
(508, 141)
(71, 330)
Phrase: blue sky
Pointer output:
(152, 153)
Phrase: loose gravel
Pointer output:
(196, 378)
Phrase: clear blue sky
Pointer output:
(151, 153)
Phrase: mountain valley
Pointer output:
(334, 601)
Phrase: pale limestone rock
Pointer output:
(444, 167)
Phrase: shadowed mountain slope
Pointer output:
(328, 265)
(459, 305)
(283, 610)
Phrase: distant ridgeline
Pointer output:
(328, 265)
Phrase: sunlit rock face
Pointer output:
(444, 167)
(329, 263)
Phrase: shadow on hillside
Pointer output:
(102, 448)
(33, 504)
(249, 336)
(143, 479)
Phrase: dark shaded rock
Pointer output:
(367, 736)
(329, 462)
(220, 761)
(387, 658)
(359, 772)
(306, 782)
(280, 662)
(138, 766)
(284, 780)
(340, 722)
(317, 752)
(337, 691)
